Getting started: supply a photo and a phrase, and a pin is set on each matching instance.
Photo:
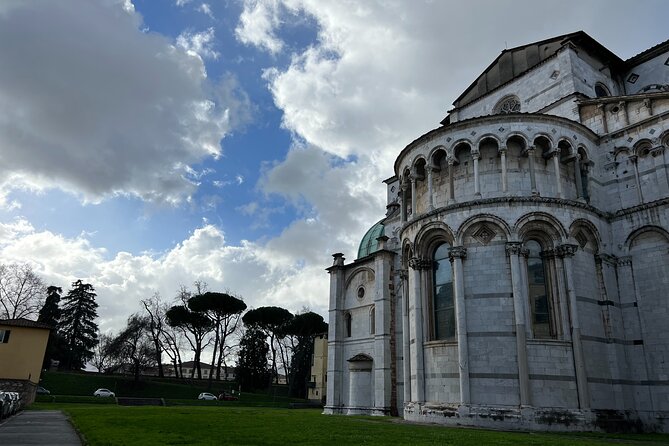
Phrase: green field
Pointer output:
(114, 425)
(79, 387)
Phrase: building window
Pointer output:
(348, 324)
(4, 336)
(443, 303)
(361, 292)
(601, 90)
(372, 321)
(508, 104)
(541, 318)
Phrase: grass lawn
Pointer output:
(114, 425)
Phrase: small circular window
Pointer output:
(361, 292)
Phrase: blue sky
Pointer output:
(148, 144)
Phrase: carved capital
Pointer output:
(457, 252)
(525, 252)
(548, 254)
(625, 261)
(606, 258)
(476, 154)
(566, 250)
(417, 263)
(514, 248)
(622, 105)
(502, 150)
(451, 161)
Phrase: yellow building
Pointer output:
(319, 368)
(22, 346)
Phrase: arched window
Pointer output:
(372, 321)
(540, 305)
(348, 322)
(443, 302)
(508, 104)
(601, 90)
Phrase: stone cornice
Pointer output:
(494, 119)
(533, 200)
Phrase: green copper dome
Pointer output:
(369, 244)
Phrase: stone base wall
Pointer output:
(538, 419)
(24, 387)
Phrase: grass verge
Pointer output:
(105, 425)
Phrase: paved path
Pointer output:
(42, 427)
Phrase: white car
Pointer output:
(104, 393)
(207, 396)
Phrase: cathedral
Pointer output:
(520, 277)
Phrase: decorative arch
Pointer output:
(664, 139)
(482, 218)
(621, 151)
(418, 167)
(438, 156)
(650, 228)
(431, 233)
(519, 137)
(459, 146)
(602, 90)
(544, 143)
(541, 223)
(642, 147)
(488, 136)
(584, 232)
(566, 147)
(357, 271)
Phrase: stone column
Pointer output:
(502, 154)
(556, 163)
(635, 160)
(413, 197)
(451, 181)
(632, 323)
(525, 285)
(382, 354)
(623, 109)
(406, 338)
(334, 402)
(477, 187)
(602, 112)
(430, 188)
(533, 177)
(456, 255)
(661, 175)
(577, 177)
(416, 333)
(648, 103)
(403, 202)
(513, 249)
(567, 251)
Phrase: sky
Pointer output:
(148, 144)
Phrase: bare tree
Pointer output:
(21, 291)
(155, 310)
(102, 359)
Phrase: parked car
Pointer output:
(104, 393)
(227, 396)
(15, 401)
(5, 405)
(207, 396)
(42, 391)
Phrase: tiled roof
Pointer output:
(23, 322)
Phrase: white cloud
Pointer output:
(205, 9)
(92, 105)
(198, 44)
(258, 23)
(182, 3)
(124, 279)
